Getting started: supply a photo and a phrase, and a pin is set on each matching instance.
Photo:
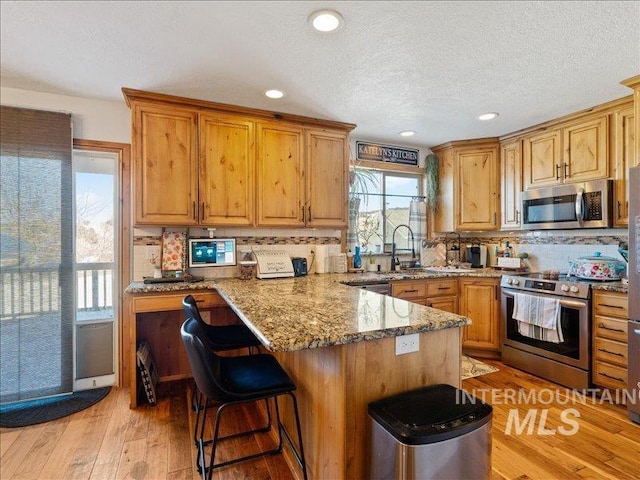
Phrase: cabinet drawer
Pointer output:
(609, 375)
(611, 328)
(447, 304)
(169, 302)
(610, 351)
(442, 287)
(612, 304)
(408, 290)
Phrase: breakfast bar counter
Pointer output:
(338, 343)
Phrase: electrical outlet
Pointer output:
(407, 344)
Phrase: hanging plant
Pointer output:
(432, 171)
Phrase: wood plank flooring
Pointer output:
(109, 441)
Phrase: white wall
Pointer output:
(92, 119)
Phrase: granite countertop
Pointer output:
(314, 311)
(611, 286)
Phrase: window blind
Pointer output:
(36, 261)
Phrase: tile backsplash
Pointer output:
(147, 242)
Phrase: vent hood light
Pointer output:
(274, 93)
(326, 20)
(407, 133)
(488, 116)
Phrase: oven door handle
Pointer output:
(580, 206)
(563, 302)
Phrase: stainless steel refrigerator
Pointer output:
(633, 381)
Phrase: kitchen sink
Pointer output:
(448, 270)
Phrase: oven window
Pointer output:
(570, 323)
(551, 209)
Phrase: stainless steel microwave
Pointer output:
(577, 205)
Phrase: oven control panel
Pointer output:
(565, 287)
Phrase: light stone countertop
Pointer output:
(610, 286)
(315, 311)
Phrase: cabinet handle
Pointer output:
(566, 170)
(610, 306)
(202, 215)
(444, 288)
(611, 377)
(193, 206)
(310, 219)
(303, 217)
(602, 326)
(409, 291)
(610, 353)
(517, 216)
(557, 172)
(619, 206)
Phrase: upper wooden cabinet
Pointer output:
(281, 172)
(195, 164)
(226, 170)
(624, 157)
(471, 197)
(510, 183)
(576, 152)
(165, 165)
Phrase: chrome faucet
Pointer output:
(394, 259)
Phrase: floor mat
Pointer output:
(474, 368)
(32, 412)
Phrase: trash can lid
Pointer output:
(430, 414)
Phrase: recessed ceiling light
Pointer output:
(326, 20)
(487, 116)
(274, 93)
(407, 133)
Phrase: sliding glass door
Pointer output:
(36, 255)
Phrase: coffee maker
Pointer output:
(477, 255)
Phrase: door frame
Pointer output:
(123, 232)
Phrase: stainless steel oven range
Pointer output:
(567, 362)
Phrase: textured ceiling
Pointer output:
(431, 67)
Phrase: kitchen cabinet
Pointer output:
(436, 293)
(624, 157)
(471, 196)
(281, 186)
(298, 168)
(510, 183)
(226, 170)
(479, 300)
(195, 164)
(574, 151)
(165, 165)
(610, 318)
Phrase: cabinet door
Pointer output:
(227, 160)
(624, 156)
(443, 219)
(511, 184)
(281, 185)
(542, 154)
(586, 150)
(479, 301)
(165, 165)
(327, 167)
(477, 189)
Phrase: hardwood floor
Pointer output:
(110, 441)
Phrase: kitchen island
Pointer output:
(338, 343)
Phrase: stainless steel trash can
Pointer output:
(436, 432)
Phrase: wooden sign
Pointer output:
(386, 153)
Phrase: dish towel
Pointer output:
(538, 317)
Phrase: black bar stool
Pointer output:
(235, 380)
(217, 338)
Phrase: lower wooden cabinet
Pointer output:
(609, 346)
(479, 300)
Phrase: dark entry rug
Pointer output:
(32, 412)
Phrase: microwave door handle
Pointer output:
(580, 206)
